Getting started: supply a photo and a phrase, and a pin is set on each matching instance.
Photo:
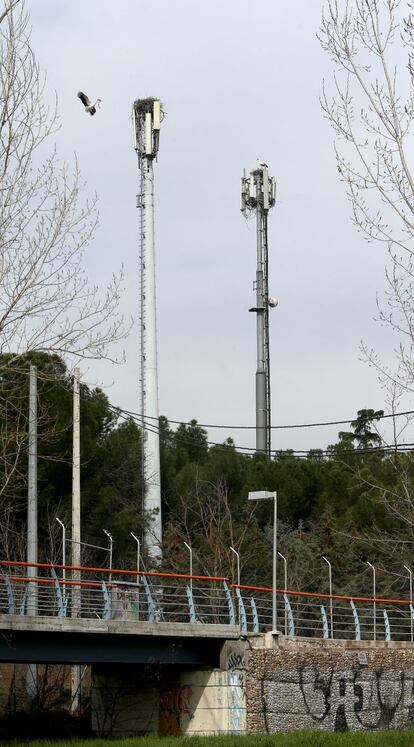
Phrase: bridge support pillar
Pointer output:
(130, 700)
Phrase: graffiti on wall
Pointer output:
(174, 704)
(357, 699)
(237, 668)
(326, 698)
(124, 605)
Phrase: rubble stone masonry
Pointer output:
(298, 683)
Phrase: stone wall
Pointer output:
(330, 685)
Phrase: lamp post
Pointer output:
(110, 552)
(238, 564)
(260, 495)
(191, 564)
(63, 555)
(330, 594)
(138, 553)
(410, 573)
(285, 589)
(375, 596)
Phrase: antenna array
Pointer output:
(258, 195)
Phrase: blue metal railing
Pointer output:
(111, 594)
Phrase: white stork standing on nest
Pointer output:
(89, 107)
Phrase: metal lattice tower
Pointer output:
(258, 195)
(146, 127)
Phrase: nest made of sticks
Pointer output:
(142, 106)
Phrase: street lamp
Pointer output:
(285, 562)
(238, 564)
(138, 553)
(330, 593)
(410, 573)
(375, 596)
(191, 564)
(110, 552)
(260, 495)
(63, 554)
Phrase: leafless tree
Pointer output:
(207, 522)
(371, 110)
(46, 299)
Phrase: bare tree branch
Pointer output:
(371, 110)
(46, 300)
(9, 5)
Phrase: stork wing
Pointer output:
(83, 97)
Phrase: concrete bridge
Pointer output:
(118, 596)
(50, 640)
(189, 654)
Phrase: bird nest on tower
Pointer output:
(142, 106)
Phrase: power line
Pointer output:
(247, 450)
(288, 426)
(274, 427)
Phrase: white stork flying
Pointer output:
(89, 107)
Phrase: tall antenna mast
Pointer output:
(258, 194)
(146, 117)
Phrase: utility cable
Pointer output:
(186, 439)
(274, 427)
(154, 428)
(287, 426)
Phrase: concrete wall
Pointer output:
(128, 704)
(128, 701)
(196, 705)
(53, 684)
(314, 684)
(123, 702)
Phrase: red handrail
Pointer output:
(113, 571)
(156, 574)
(49, 581)
(320, 595)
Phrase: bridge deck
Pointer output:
(76, 641)
(39, 624)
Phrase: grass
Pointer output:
(299, 739)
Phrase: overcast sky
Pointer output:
(239, 80)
